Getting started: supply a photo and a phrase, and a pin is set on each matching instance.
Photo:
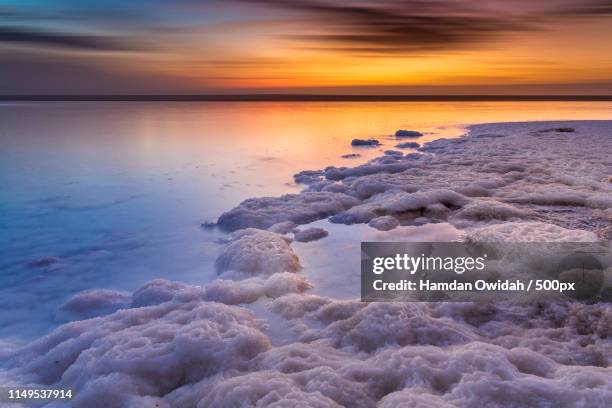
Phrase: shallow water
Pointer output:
(116, 192)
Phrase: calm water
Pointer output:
(116, 192)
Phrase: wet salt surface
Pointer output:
(112, 195)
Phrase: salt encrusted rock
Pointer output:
(350, 155)
(384, 223)
(365, 142)
(395, 153)
(300, 208)
(310, 234)
(256, 252)
(407, 133)
(408, 145)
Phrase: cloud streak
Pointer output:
(406, 26)
(26, 36)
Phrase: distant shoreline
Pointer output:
(303, 98)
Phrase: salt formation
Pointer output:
(91, 303)
(218, 345)
(300, 208)
(384, 223)
(310, 234)
(255, 252)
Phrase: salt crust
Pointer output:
(498, 172)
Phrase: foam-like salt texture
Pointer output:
(257, 252)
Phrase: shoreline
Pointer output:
(478, 174)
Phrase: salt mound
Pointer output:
(156, 291)
(299, 208)
(310, 234)
(257, 252)
(529, 232)
(96, 302)
(384, 223)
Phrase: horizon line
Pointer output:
(293, 98)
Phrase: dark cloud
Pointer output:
(63, 40)
(400, 26)
(588, 8)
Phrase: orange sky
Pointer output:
(393, 46)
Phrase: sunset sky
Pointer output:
(306, 46)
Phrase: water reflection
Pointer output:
(115, 192)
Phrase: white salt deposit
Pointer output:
(256, 252)
(299, 208)
(179, 345)
(97, 302)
